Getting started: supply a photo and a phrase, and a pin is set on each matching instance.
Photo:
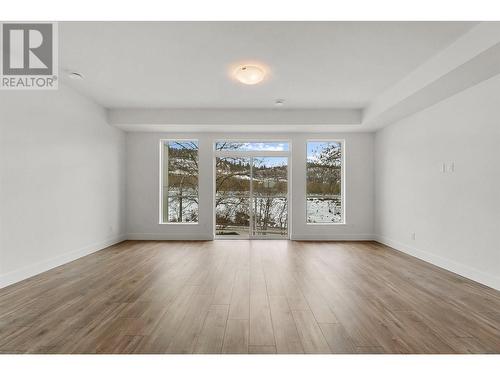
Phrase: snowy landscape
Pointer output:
(324, 210)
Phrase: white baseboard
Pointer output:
(209, 237)
(450, 265)
(39, 267)
(332, 237)
(169, 237)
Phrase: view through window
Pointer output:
(179, 181)
(324, 182)
(251, 198)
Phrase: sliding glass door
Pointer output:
(269, 197)
(232, 196)
(251, 196)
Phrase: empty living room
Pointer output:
(259, 189)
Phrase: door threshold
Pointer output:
(222, 238)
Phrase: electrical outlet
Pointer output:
(413, 236)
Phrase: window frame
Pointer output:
(162, 171)
(240, 153)
(342, 182)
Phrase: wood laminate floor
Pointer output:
(249, 297)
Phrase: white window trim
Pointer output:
(342, 183)
(161, 164)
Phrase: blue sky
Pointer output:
(261, 146)
(315, 148)
(181, 144)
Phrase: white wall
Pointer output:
(455, 215)
(62, 181)
(143, 187)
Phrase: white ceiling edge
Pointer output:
(471, 59)
(240, 120)
(238, 128)
(482, 67)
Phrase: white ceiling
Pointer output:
(186, 64)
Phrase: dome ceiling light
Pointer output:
(249, 74)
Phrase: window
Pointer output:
(179, 190)
(251, 189)
(324, 203)
(251, 146)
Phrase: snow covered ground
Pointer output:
(189, 209)
(321, 210)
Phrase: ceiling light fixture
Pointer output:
(279, 102)
(249, 74)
